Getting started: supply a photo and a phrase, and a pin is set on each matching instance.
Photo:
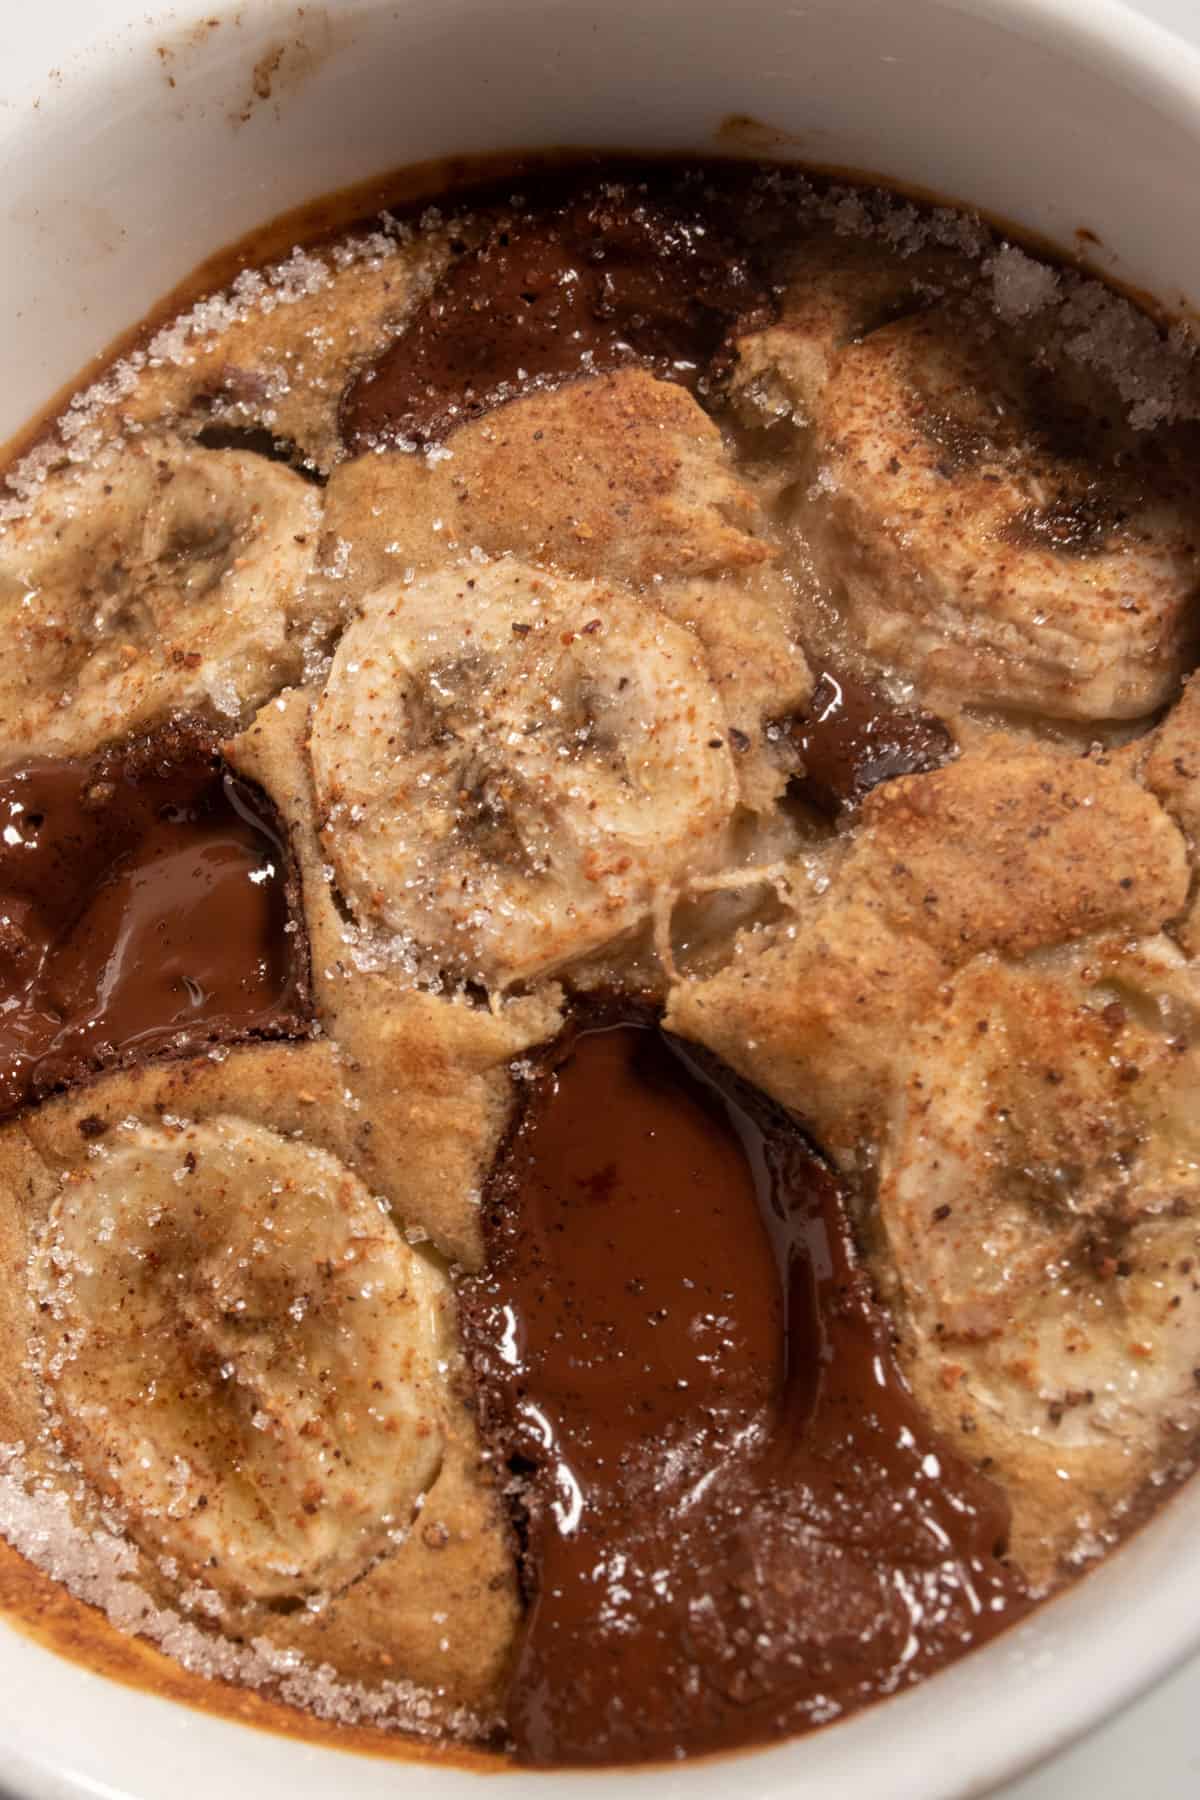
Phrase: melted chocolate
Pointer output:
(735, 1523)
(608, 279)
(144, 906)
(852, 738)
(256, 440)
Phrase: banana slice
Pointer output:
(996, 540)
(1047, 1103)
(160, 579)
(1039, 1191)
(617, 478)
(243, 1353)
(511, 767)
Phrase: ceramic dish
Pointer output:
(134, 146)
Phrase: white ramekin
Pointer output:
(126, 160)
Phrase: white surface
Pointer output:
(1152, 1752)
(1058, 113)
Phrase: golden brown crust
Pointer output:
(745, 621)
(1013, 847)
(425, 1076)
(813, 1011)
(1038, 1216)
(980, 526)
(1167, 761)
(620, 477)
(282, 366)
(442, 1609)
(835, 291)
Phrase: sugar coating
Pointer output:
(85, 429)
(1021, 286)
(97, 1566)
(1152, 370)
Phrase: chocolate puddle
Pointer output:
(144, 906)
(736, 1525)
(852, 738)
(607, 280)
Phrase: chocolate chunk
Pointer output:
(852, 738)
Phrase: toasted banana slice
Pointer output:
(243, 1352)
(998, 542)
(1039, 1193)
(512, 767)
(620, 477)
(159, 579)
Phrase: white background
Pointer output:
(1152, 1751)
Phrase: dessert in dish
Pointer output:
(599, 794)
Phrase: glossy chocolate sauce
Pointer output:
(735, 1524)
(145, 905)
(607, 279)
(852, 738)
